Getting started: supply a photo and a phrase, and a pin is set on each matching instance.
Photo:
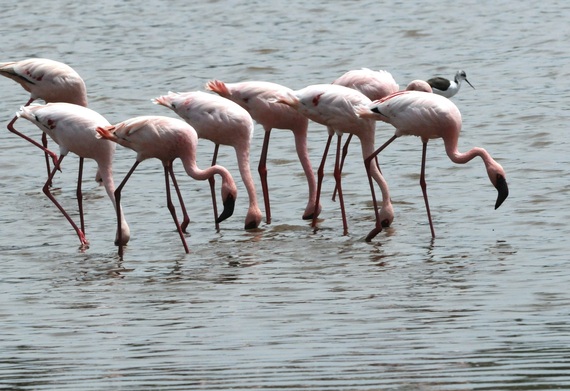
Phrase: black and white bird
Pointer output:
(446, 87)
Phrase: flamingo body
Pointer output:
(45, 79)
(374, 84)
(73, 128)
(258, 98)
(223, 122)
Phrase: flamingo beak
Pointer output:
(469, 83)
(251, 225)
(503, 190)
(229, 205)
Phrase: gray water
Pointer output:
(483, 306)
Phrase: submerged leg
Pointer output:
(337, 177)
(344, 153)
(118, 190)
(320, 175)
(262, 169)
(186, 218)
(424, 187)
(80, 234)
(212, 182)
(169, 171)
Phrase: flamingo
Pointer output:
(223, 122)
(334, 106)
(166, 139)
(49, 80)
(448, 88)
(419, 85)
(430, 116)
(73, 128)
(375, 85)
(258, 98)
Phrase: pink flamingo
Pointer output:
(49, 80)
(429, 116)
(373, 84)
(334, 106)
(166, 139)
(223, 122)
(418, 85)
(73, 128)
(258, 98)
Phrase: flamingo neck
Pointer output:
(105, 173)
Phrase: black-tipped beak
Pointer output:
(229, 205)
(503, 190)
(469, 83)
(251, 225)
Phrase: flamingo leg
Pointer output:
(186, 219)
(338, 178)
(80, 234)
(45, 144)
(320, 175)
(169, 171)
(367, 162)
(34, 142)
(118, 191)
(344, 153)
(79, 194)
(262, 169)
(212, 182)
(424, 187)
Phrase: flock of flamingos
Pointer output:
(351, 104)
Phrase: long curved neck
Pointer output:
(303, 154)
(245, 172)
(189, 163)
(105, 172)
(462, 158)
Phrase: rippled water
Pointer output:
(483, 306)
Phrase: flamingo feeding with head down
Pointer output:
(430, 116)
(166, 139)
(258, 98)
(334, 106)
(73, 128)
(223, 122)
(49, 80)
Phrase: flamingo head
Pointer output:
(498, 179)
(253, 218)
(229, 195)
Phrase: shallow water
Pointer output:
(484, 306)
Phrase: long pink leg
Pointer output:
(262, 169)
(79, 195)
(367, 163)
(344, 153)
(186, 219)
(212, 182)
(168, 170)
(118, 191)
(80, 234)
(424, 187)
(320, 175)
(34, 142)
(337, 178)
